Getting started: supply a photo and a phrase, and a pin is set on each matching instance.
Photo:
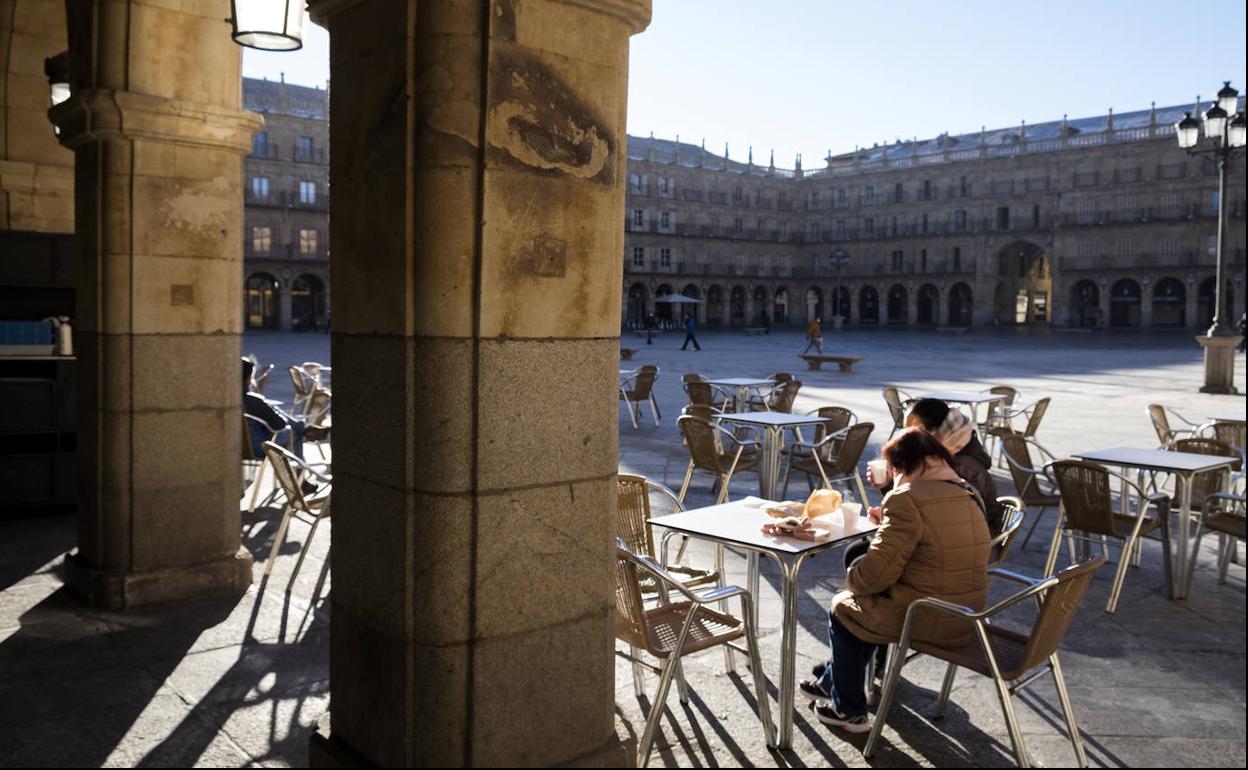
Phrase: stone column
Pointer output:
(1191, 308)
(1146, 305)
(481, 148)
(942, 306)
(1106, 305)
(159, 139)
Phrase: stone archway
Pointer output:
(736, 306)
(638, 299)
(961, 305)
(1169, 303)
(868, 305)
(261, 298)
(716, 307)
(1026, 284)
(308, 304)
(1125, 303)
(814, 304)
(898, 305)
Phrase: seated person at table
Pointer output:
(970, 461)
(932, 542)
(283, 429)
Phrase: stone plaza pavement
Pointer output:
(240, 682)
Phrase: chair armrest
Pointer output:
(1017, 577)
(653, 567)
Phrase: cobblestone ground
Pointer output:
(1160, 683)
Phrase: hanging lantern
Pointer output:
(56, 68)
(269, 25)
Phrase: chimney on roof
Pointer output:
(650, 153)
(1152, 114)
(1065, 127)
(676, 154)
(283, 77)
(983, 135)
(702, 154)
(771, 164)
(749, 164)
(1109, 121)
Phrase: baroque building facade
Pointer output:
(286, 207)
(1093, 223)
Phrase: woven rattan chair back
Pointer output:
(690, 377)
(262, 379)
(1011, 524)
(1015, 446)
(1230, 433)
(849, 450)
(1037, 414)
(1057, 610)
(784, 396)
(708, 413)
(630, 613)
(700, 393)
(782, 377)
(834, 418)
(1209, 482)
(300, 381)
(284, 471)
(895, 408)
(1161, 423)
(1087, 496)
(642, 384)
(704, 448)
(633, 514)
(318, 406)
(1004, 390)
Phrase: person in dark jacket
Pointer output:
(970, 460)
(283, 429)
(691, 329)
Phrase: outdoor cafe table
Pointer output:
(773, 425)
(1184, 465)
(971, 399)
(742, 386)
(739, 525)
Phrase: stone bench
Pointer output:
(626, 354)
(845, 362)
(755, 330)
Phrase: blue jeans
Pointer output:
(845, 678)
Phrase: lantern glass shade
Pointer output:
(1237, 136)
(1215, 122)
(60, 92)
(269, 25)
(1228, 98)
(1188, 131)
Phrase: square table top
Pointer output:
(958, 397)
(743, 382)
(1227, 416)
(741, 523)
(772, 419)
(1156, 459)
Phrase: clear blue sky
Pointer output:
(811, 75)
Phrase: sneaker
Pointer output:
(811, 690)
(858, 725)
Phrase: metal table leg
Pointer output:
(788, 647)
(1185, 517)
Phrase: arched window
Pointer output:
(307, 303)
(1124, 303)
(1169, 303)
(868, 305)
(260, 299)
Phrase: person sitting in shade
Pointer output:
(283, 429)
(814, 337)
(932, 542)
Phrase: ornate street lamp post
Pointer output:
(837, 259)
(1225, 137)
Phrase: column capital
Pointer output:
(99, 112)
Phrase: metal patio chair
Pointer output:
(632, 525)
(291, 472)
(1168, 431)
(702, 393)
(834, 459)
(897, 400)
(1033, 412)
(642, 390)
(1011, 659)
(1222, 514)
(1033, 486)
(1230, 433)
(1088, 514)
(995, 417)
(1011, 525)
(673, 630)
(713, 449)
(835, 418)
(779, 399)
(303, 384)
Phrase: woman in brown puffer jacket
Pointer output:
(933, 541)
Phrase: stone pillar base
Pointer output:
(328, 751)
(119, 590)
(1219, 364)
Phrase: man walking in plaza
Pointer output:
(691, 329)
(814, 337)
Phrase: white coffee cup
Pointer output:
(849, 515)
(879, 471)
